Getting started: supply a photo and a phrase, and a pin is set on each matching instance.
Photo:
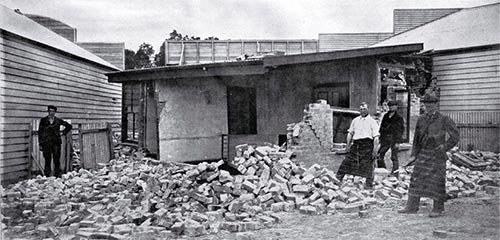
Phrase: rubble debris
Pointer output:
(136, 196)
(477, 160)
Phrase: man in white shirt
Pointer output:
(362, 147)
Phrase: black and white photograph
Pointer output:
(249, 119)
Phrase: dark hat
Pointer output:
(430, 98)
(52, 107)
(392, 103)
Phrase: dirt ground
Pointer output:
(465, 218)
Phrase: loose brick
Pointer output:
(309, 210)
(301, 189)
(278, 207)
(382, 194)
(342, 196)
(308, 178)
(231, 226)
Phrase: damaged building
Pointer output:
(201, 112)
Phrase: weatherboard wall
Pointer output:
(469, 82)
(35, 75)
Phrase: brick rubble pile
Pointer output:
(136, 197)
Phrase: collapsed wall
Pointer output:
(312, 138)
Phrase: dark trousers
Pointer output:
(384, 147)
(52, 153)
(414, 203)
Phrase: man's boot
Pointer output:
(411, 206)
(437, 209)
(395, 168)
(340, 176)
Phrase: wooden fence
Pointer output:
(478, 130)
(96, 144)
(95, 141)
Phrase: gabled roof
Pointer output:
(21, 25)
(471, 27)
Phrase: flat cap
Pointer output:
(392, 103)
(430, 98)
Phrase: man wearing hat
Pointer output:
(430, 144)
(391, 134)
(49, 138)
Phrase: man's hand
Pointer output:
(440, 148)
(348, 147)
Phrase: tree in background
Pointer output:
(129, 59)
(160, 57)
(143, 56)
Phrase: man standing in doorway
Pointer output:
(435, 134)
(362, 144)
(49, 138)
(391, 134)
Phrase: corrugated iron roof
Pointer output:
(470, 27)
(21, 25)
(342, 41)
(407, 19)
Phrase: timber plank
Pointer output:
(471, 76)
(14, 168)
(44, 99)
(491, 80)
(22, 70)
(48, 53)
(39, 95)
(467, 65)
(14, 74)
(26, 104)
(444, 62)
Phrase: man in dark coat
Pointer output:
(49, 138)
(435, 134)
(362, 143)
(391, 134)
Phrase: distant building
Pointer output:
(38, 68)
(113, 53)
(403, 20)
(209, 51)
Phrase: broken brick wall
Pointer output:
(312, 138)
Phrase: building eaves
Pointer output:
(272, 61)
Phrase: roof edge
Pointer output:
(272, 61)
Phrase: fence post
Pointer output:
(80, 143)
(109, 131)
(30, 149)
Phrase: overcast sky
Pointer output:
(151, 21)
